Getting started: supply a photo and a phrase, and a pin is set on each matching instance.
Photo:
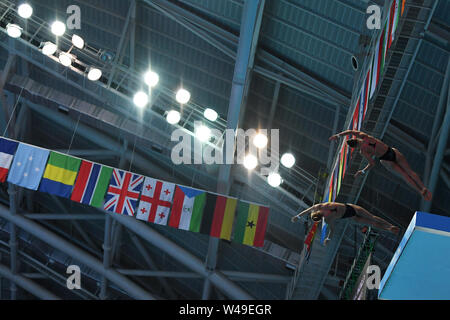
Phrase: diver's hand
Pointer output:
(333, 137)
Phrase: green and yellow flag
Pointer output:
(251, 224)
(60, 174)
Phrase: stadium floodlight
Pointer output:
(25, 10)
(140, 99)
(94, 74)
(173, 117)
(66, 59)
(250, 162)
(183, 96)
(260, 141)
(203, 133)
(288, 160)
(151, 78)
(78, 41)
(13, 30)
(49, 48)
(274, 179)
(58, 28)
(210, 114)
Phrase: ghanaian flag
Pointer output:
(60, 174)
(251, 224)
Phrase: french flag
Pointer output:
(7, 150)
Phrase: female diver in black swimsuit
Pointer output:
(332, 211)
(390, 157)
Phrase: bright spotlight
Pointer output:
(260, 141)
(151, 78)
(58, 28)
(183, 96)
(94, 74)
(288, 160)
(173, 117)
(210, 114)
(203, 133)
(25, 10)
(274, 179)
(140, 99)
(78, 41)
(65, 59)
(49, 48)
(250, 162)
(13, 30)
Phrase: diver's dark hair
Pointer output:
(353, 143)
(316, 216)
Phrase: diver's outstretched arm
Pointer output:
(305, 212)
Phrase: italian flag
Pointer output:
(251, 224)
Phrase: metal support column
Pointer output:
(247, 42)
(439, 155)
(434, 131)
(149, 261)
(107, 241)
(13, 239)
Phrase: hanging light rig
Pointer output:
(141, 99)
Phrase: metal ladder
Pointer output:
(357, 267)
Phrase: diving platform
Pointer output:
(420, 268)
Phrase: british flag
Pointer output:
(123, 192)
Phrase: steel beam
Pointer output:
(436, 122)
(439, 155)
(121, 43)
(163, 6)
(13, 242)
(183, 256)
(149, 261)
(63, 216)
(9, 68)
(61, 244)
(248, 40)
(263, 55)
(233, 275)
(27, 284)
(273, 106)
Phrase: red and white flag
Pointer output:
(156, 201)
(7, 150)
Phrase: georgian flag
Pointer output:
(156, 200)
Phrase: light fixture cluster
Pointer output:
(141, 98)
(49, 48)
(274, 179)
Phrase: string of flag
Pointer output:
(126, 193)
(368, 88)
